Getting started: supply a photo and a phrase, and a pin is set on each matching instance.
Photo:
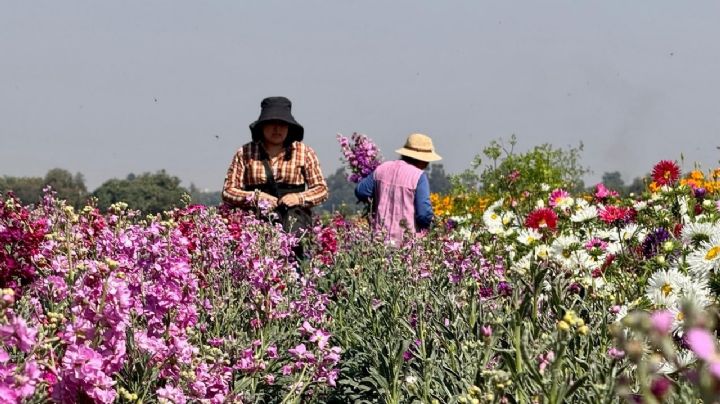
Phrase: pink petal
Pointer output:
(702, 343)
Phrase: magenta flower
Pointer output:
(17, 333)
(361, 155)
(321, 337)
(703, 344)
(558, 196)
(662, 321)
(602, 192)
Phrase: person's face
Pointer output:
(275, 132)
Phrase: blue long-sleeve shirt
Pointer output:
(365, 189)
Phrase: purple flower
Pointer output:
(17, 333)
(361, 156)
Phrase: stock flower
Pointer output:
(17, 333)
(542, 218)
(361, 155)
(665, 172)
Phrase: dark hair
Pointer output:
(412, 161)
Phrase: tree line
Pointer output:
(159, 191)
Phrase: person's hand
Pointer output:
(269, 199)
(290, 200)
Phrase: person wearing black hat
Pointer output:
(276, 169)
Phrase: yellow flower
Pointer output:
(563, 326)
(583, 330)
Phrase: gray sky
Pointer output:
(107, 88)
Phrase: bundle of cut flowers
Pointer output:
(360, 155)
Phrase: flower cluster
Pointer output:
(360, 155)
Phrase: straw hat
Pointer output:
(419, 147)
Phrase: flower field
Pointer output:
(520, 296)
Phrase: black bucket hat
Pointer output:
(277, 109)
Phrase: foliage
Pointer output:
(341, 196)
(508, 173)
(207, 198)
(150, 193)
(30, 189)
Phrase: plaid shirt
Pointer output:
(248, 171)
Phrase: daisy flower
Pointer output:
(542, 252)
(704, 260)
(529, 236)
(697, 232)
(584, 214)
(563, 248)
(664, 287)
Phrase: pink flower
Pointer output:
(616, 214)
(662, 321)
(616, 353)
(702, 343)
(602, 192)
(557, 197)
(544, 361)
(17, 333)
(321, 337)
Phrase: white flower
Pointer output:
(529, 236)
(696, 293)
(584, 214)
(496, 220)
(665, 286)
(640, 205)
(542, 252)
(698, 232)
(678, 320)
(522, 266)
(704, 260)
(683, 359)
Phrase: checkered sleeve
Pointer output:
(233, 193)
(317, 191)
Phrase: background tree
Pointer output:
(438, 179)
(27, 189)
(341, 194)
(68, 187)
(638, 186)
(207, 198)
(510, 173)
(150, 193)
(614, 181)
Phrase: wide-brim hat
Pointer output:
(277, 109)
(420, 147)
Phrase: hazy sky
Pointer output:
(107, 88)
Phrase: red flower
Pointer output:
(616, 214)
(542, 218)
(665, 172)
